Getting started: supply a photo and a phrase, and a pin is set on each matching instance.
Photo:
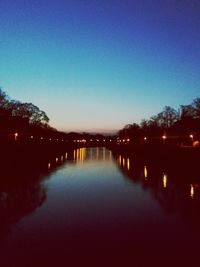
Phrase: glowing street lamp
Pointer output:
(164, 137)
(191, 136)
(16, 136)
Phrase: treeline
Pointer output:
(25, 122)
(183, 122)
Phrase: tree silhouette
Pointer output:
(29, 111)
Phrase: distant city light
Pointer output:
(164, 137)
(191, 136)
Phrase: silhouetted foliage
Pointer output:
(29, 111)
(25, 118)
(170, 121)
(130, 130)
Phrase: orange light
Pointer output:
(120, 159)
(191, 191)
(164, 180)
(164, 137)
(145, 172)
(191, 136)
(128, 164)
(16, 135)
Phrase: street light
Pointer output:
(191, 136)
(16, 135)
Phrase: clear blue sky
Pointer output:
(98, 65)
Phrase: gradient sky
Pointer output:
(98, 65)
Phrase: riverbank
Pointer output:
(180, 159)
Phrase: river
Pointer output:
(90, 208)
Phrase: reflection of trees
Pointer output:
(175, 187)
(19, 202)
(22, 187)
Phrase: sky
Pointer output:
(98, 65)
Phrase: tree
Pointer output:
(196, 108)
(186, 112)
(30, 112)
(130, 130)
(166, 118)
(3, 99)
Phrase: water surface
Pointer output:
(90, 208)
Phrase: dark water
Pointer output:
(90, 208)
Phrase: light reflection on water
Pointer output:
(88, 206)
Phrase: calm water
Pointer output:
(88, 208)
